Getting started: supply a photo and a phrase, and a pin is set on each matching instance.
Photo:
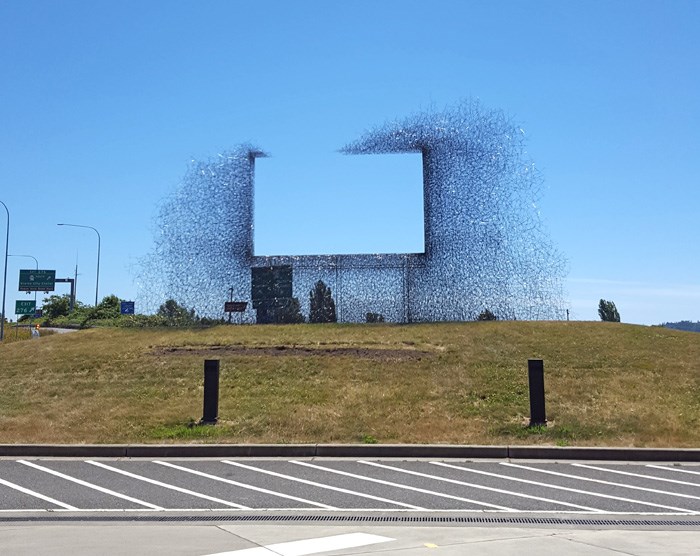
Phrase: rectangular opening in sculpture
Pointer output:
(339, 204)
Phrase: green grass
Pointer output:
(189, 430)
(460, 383)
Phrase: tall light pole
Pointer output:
(4, 280)
(97, 280)
(37, 268)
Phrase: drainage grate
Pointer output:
(474, 520)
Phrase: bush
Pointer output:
(486, 315)
(57, 306)
(374, 317)
(176, 315)
(109, 308)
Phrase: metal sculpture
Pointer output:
(485, 248)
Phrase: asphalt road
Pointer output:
(267, 507)
(499, 487)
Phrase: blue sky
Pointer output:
(103, 105)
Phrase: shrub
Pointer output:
(486, 315)
(374, 317)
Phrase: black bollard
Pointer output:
(535, 371)
(211, 392)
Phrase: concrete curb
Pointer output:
(612, 454)
(346, 451)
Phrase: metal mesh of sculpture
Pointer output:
(484, 244)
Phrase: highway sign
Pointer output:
(37, 280)
(25, 307)
(127, 307)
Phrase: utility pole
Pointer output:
(99, 242)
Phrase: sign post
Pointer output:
(235, 307)
(26, 308)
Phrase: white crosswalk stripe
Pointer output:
(89, 485)
(322, 485)
(346, 485)
(168, 486)
(310, 546)
(591, 493)
(244, 485)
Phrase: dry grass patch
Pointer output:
(607, 384)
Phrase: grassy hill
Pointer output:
(462, 383)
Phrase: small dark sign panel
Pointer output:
(235, 306)
(127, 307)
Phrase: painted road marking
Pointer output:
(243, 485)
(321, 485)
(406, 487)
(89, 485)
(627, 473)
(665, 468)
(37, 495)
(578, 477)
(310, 546)
(165, 485)
(482, 487)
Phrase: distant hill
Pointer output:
(683, 325)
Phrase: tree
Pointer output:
(289, 312)
(56, 306)
(322, 304)
(175, 314)
(109, 308)
(607, 311)
(683, 325)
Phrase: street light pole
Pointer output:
(97, 280)
(37, 268)
(28, 257)
(4, 280)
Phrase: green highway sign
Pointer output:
(37, 280)
(25, 307)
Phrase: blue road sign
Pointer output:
(126, 308)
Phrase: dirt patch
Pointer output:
(297, 351)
